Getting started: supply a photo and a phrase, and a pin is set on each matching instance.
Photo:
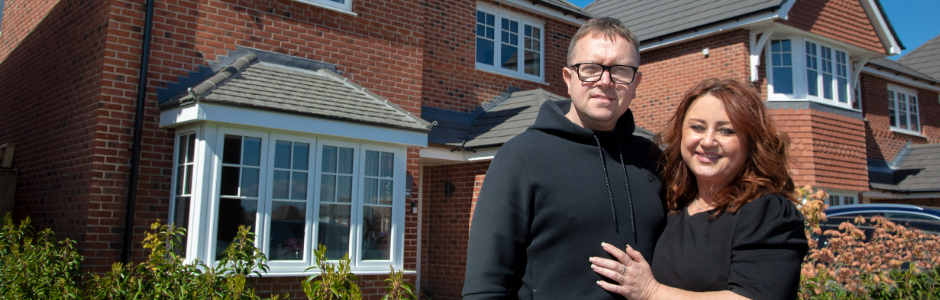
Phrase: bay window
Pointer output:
(903, 111)
(296, 192)
(509, 44)
(802, 69)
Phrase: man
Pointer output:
(576, 178)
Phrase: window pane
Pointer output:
(188, 186)
(344, 189)
(376, 233)
(282, 155)
(229, 181)
(533, 63)
(783, 80)
(286, 241)
(233, 150)
(812, 84)
(180, 179)
(388, 164)
(333, 230)
(252, 151)
(181, 151)
(812, 79)
(298, 186)
(849, 200)
(345, 162)
(370, 191)
(509, 57)
(328, 188)
(233, 212)
(249, 184)
(485, 51)
(785, 45)
(372, 163)
(281, 184)
(833, 200)
(827, 86)
(385, 192)
(329, 159)
(191, 149)
(301, 156)
(181, 219)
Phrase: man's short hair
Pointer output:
(608, 27)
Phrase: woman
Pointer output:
(733, 230)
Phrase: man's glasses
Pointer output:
(622, 74)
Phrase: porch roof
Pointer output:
(916, 169)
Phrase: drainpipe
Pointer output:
(138, 133)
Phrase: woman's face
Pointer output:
(710, 146)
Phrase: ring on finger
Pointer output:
(623, 269)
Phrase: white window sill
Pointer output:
(328, 7)
(316, 272)
(490, 69)
(907, 132)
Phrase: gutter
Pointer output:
(138, 135)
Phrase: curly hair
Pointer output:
(764, 171)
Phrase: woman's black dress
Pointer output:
(755, 252)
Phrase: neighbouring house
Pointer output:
(368, 126)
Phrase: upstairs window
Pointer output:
(801, 69)
(509, 44)
(903, 111)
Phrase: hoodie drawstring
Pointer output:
(610, 193)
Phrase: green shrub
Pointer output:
(397, 288)
(335, 281)
(37, 266)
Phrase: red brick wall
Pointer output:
(446, 226)
(451, 80)
(670, 71)
(842, 20)
(883, 143)
(50, 78)
(826, 150)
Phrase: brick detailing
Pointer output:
(447, 226)
(671, 71)
(883, 143)
(451, 80)
(841, 20)
(826, 149)
(935, 202)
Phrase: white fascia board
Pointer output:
(542, 10)
(206, 112)
(767, 17)
(881, 27)
(884, 73)
(458, 156)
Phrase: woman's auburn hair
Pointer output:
(764, 171)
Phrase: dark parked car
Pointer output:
(926, 219)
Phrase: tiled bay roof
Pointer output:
(918, 170)
(322, 93)
(494, 124)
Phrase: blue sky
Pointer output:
(915, 21)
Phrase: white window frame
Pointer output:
(840, 198)
(893, 104)
(799, 72)
(523, 21)
(196, 177)
(205, 201)
(331, 5)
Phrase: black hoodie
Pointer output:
(550, 197)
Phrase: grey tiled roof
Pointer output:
(655, 19)
(925, 58)
(494, 124)
(320, 93)
(918, 170)
(902, 68)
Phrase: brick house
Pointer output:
(369, 125)
(300, 118)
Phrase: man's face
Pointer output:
(598, 105)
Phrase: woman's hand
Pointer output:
(631, 271)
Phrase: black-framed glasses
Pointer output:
(589, 72)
